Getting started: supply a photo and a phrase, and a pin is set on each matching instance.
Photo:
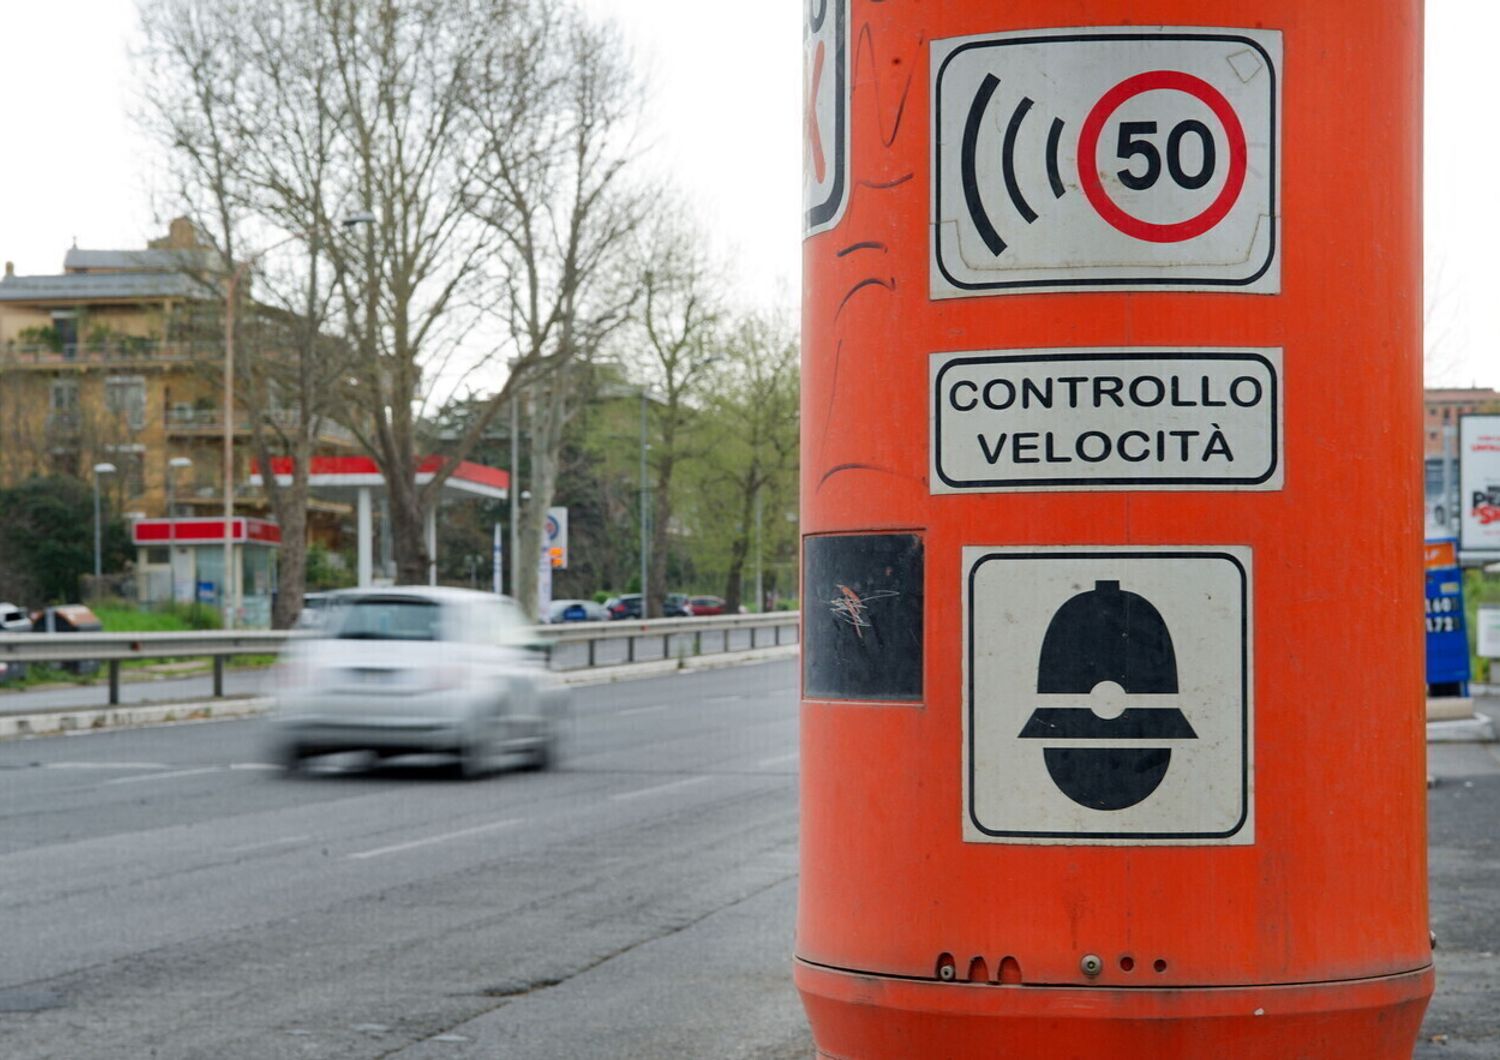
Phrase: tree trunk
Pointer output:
(548, 414)
(739, 549)
(408, 532)
(661, 515)
(291, 562)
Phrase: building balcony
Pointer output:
(64, 421)
(209, 423)
(125, 353)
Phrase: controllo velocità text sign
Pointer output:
(1106, 419)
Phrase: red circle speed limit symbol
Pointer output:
(1138, 140)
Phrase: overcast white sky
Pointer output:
(726, 124)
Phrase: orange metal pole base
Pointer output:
(871, 1017)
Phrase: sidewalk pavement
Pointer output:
(1463, 851)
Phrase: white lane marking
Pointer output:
(724, 699)
(778, 760)
(105, 765)
(162, 776)
(640, 710)
(623, 795)
(429, 840)
(255, 765)
(266, 844)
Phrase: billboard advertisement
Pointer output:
(1479, 483)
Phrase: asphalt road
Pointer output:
(164, 893)
(1463, 865)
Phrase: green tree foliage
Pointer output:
(736, 451)
(741, 498)
(47, 541)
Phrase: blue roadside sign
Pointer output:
(1447, 635)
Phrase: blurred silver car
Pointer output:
(418, 671)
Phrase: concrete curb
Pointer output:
(1450, 708)
(92, 719)
(57, 720)
(602, 675)
(1479, 728)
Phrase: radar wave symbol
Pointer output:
(969, 162)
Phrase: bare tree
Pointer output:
(678, 322)
(408, 270)
(558, 117)
(477, 146)
(246, 100)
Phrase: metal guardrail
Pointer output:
(115, 648)
(676, 637)
(575, 645)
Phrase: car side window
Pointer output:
(511, 625)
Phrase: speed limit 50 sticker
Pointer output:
(1106, 159)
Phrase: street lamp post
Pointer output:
(645, 534)
(99, 469)
(515, 502)
(174, 465)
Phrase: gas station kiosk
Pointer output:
(182, 560)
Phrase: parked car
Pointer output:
(419, 670)
(706, 605)
(12, 620)
(69, 618)
(627, 606)
(576, 611)
(675, 606)
(317, 608)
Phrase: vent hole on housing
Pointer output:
(979, 972)
(946, 971)
(1010, 971)
(1127, 964)
(1160, 965)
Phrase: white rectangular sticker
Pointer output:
(1134, 418)
(1107, 695)
(1106, 159)
(825, 131)
(1479, 484)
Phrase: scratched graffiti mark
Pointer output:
(886, 185)
(868, 244)
(866, 43)
(871, 281)
(851, 608)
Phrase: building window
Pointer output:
(125, 396)
(62, 411)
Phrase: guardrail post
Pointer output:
(218, 676)
(591, 643)
(114, 682)
(630, 648)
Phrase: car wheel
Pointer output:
(475, 759)
(291, 758)
(545, 754)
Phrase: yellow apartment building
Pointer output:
(107, 361)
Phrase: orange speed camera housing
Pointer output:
(1112, 694)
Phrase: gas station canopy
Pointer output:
(362, 474)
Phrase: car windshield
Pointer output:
(389, 618)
